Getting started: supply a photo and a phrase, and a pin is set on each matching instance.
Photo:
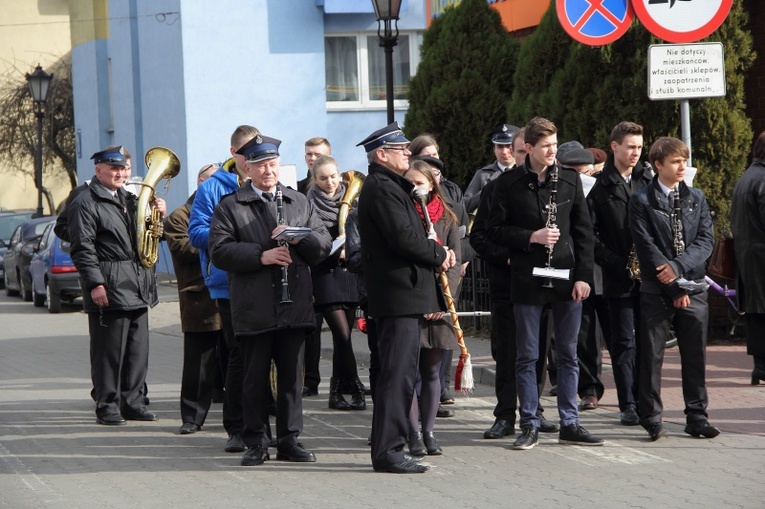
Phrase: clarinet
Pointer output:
(677, 223)
(280, 219)
(552, 210)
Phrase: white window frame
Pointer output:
(362, 61)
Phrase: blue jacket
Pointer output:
(208, 196)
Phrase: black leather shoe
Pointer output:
(629, 417)
(546, 426)
(500, 428)
(589, 402)
(444, 412)
(416, 445)
(310, 391)
(404, 467)
(142, 415)
(574, 434)
(111, 420)
(655, 430)
(255, 455)
(189, 428)
(528, 439)
(296, 453)
(431, 444)
(235, 443)
(702, 429)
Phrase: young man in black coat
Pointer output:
(266, 324)
(541, 215)
(672, 231)
(622, 176)
(117, 290)
(399, 267)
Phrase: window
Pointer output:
(355, 70)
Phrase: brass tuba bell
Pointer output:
(163, 164)
(353, 181)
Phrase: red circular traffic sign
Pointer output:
(595, 22)
(682, 21)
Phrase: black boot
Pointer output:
(431, 444)
(358, 402)
(416, 445)
(758, 373)
(336, 399)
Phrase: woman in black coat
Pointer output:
(334, 288)
(437, 336)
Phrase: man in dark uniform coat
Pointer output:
(747, 219)
(266, 325)
(622, 176)
(521, 220)
(673, 291)
(117, 290)
(399, 267)
(502, 140)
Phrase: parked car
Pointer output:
(9, 220)
(23, 244)
(54, 276)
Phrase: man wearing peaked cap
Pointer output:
(117, 289)
(399, 262)
(271, 295)
(502, 140)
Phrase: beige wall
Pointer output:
(31, 32)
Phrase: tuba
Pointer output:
(353, 181)
(162, 164)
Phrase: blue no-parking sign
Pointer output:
(595, 22)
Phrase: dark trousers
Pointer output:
(313, 355)
(374, 354)
(588, 347)
(232, 403)
(755, 334)
(690, 326)
(119, 359)
(285, 347)
(200, 368)
(623, 347)
(398, 344)
(567, 316)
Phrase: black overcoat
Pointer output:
(608, 201)
(519, 209)
(102, 229)
(239, 234)
(399, 260)
(747, 220)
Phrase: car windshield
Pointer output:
(8, 223)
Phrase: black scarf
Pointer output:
(327, 207)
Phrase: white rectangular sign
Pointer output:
(686, 71)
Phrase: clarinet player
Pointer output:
(672, 230)
(541, 216)
(270, 289)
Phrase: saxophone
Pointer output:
(162, 164)
(633, 266)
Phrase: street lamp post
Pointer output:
(39, 82)
(387, 12)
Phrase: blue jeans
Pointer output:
(567, 316)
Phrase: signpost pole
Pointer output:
(685, 127)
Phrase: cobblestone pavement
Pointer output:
(53, 454)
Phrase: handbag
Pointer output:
(723, 261)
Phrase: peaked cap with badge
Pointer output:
(388, 135)
(260, 148)
(114, 155)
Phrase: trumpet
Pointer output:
(285, 270)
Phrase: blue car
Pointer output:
(54, 276)
(23, 244)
